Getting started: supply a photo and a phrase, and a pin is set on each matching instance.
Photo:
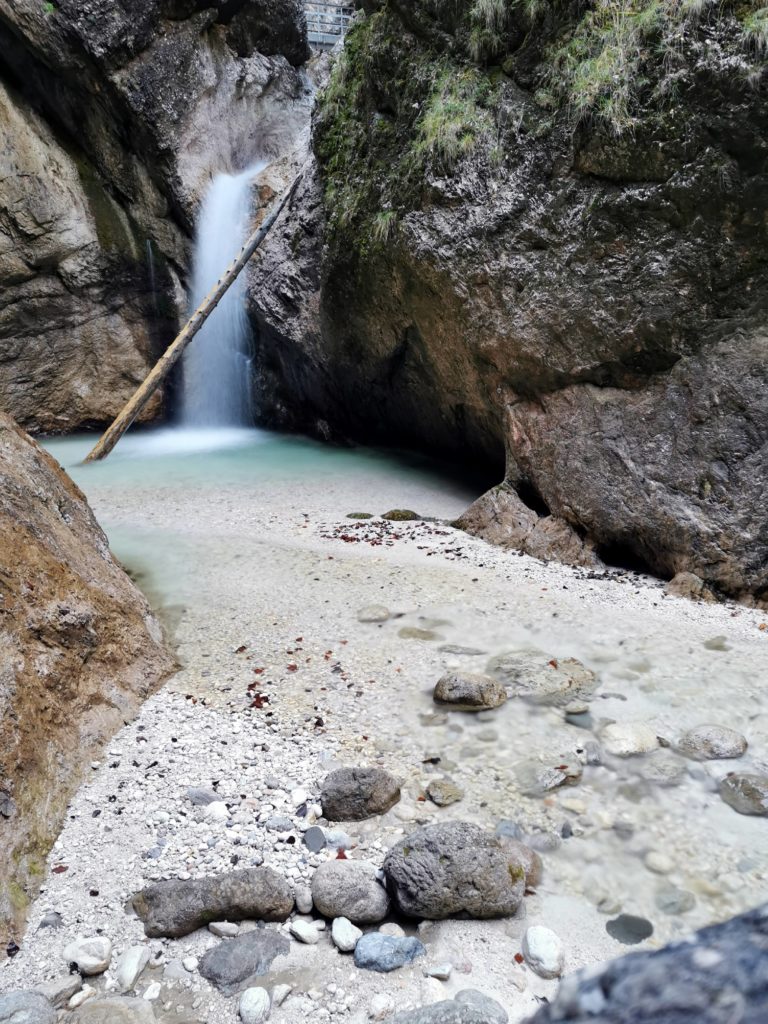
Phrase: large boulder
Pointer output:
(235, 963)
(79, 652)
(177, 907)
(717, 975)
(349, 888)
(454, 869)
(470, 268)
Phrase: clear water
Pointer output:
(217, 364)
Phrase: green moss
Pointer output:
(113, 228)
(455, 117)
(401, 515)
(359, 515)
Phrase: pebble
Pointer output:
(345, 935)
(216, 810)
(671, 900)
(354, 794)
(304, 902)
(392, 928)
(351, 889)
(254, 1006)
(200, 797)
(658, 862)
(381, 1006)
(129, 966)
(314, 839)
(469, 691)
(444, 792)
(440, 971)
(190, 963)
(224, 929)
(92, 956)
(152, 991)
(304, 932)
(280, 993)
(373, 613)
(384, 953)
(543, 951)
(627, 739)
(712, 742)
(86, 992)
(746, 793)
(629, 929)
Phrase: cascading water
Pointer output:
(216, 368)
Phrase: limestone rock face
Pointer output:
(79, 652)
(113, 119)
(588, 306)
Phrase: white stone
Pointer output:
(304, 899)
(280, 993)
(390, 928)
(254, 1006)
(625, 739)
(659, 862)
(440, 971)
(152, 991)
(345, 935)
(543, 951)
(92, 956)
(304, 932)
(224, 929)
(299, 796)
(712, 742)
(380, 1006)
(216, 811)
(86, 992)
(190, 963)
(129, 966)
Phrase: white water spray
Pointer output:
(217, 386)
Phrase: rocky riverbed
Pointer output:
(311, 642)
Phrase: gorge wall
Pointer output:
(113, 117)
(528, 230)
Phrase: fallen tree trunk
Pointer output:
(172, 354)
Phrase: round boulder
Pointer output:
(349, 888)
(469, 691)
(453, 869)
(746, 793)
(353, 794)
(712, 742)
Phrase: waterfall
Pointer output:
(216, 366)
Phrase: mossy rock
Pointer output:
(359, 515)
(401, 515)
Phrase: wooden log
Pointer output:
(174, 351)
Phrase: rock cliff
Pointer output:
(79, 651)
(531, 230)
(113, 117)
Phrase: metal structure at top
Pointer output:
(327, 22)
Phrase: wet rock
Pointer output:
(401, 515)
(254, 1006)
(314, 839)
(543, 951)
(373, 613)
(536, 778)
(746, 793)
(353, 794)
(234, 962)
(359, 515)
(26, 1008)
(673, 901)
(118, 1010)
(444, 792)
(59, 991)
(712, 742)
(50, 920)
(557, 682)
(129, 966)
(384, 953)
(174, 908)
(304, 932)
(629, 929)
(469, 691)
(416, 633)
(450, 869)
(344, 934)
(709, 978)
(468, 1007)
(663, 768)
(627, 739)
(349, 888)
(91, 956)
(691, 586)
(523, 856)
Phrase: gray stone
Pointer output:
(254, 1006)
(455, 868)
(444, 792)
(671, 900)
(314, 839)
(59, 991)
(201, 797)
(304, 932)
(351, 889)
(524, 856)
(627, 739)
(25, 1007)
(118, 1010)
(494, 1012)
(224, 929)
(174, 908)
(352, 794)
(304, 902)
(344, 934)
(712, 742)
(129, 966)
(537, 777)
(373, 613)
(232, 964)
(746, 793)
(51, 920)
(384, 953)
(279, 823)
(558, 681)
(716, 976)
(629, 929)
(469, 691)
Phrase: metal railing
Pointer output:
(327, 22)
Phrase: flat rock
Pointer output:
(92, 956)
(468, 1007)
(746, 793)
(314, 839)
(353, 794)
(129, 966)
(254, 1006)
(304, 932)
(384, 953)
(345, 935)
(469, 691)
(234, 962)
(450, 869)
(627, 739)
(373, 613)
(543, 951)
(558, 682)
(59, 991)
(713, 977)
(444, 792)
(25, 1007)
(712, 742)
(175, 907)
(201, 797)
(119, 1010)
(351, 889)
